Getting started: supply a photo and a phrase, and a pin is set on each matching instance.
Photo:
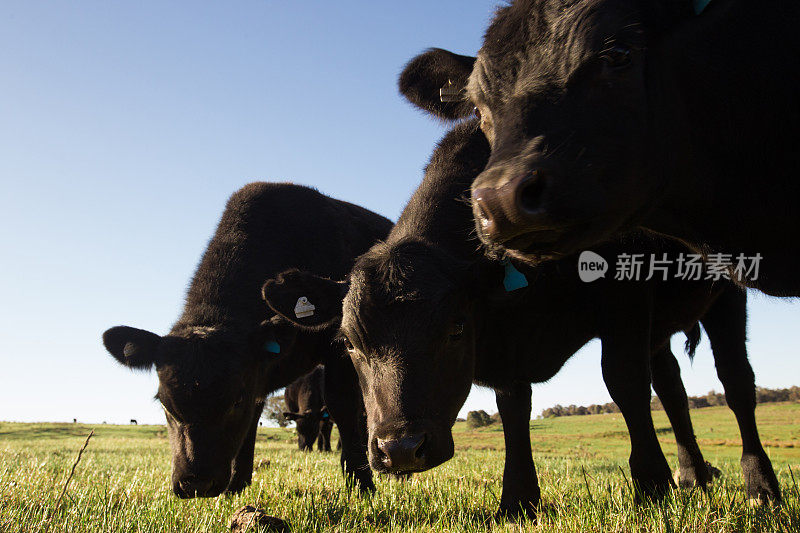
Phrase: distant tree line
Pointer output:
(477, 419)
(713, 398)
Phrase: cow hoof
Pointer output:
(366, 487)
(713, 471)
(652, 487)
(516, 510)
(360, 477)
(759, 479)
(237, 485)
(688, 478)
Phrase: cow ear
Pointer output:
(134, 348)
(438, 75)
(273, 338)
(291, 416)
(304, 299)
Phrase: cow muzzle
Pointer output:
(512, 208)
(402, 455)
(194, 487)
(410, 450)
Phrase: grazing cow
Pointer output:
(227, 351)
(425, 314)
(305, 401)
(134, 422)
(605, 115)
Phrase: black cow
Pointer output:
(305, 403)
(227, 351)
(426, 314)
(134, 422)
(605, 115)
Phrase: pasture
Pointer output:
(122, 481)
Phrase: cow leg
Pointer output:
(326, 436)
(667, 383)
(242, 474)
(726, 324)
(343, 398)
(520, 484)
(626, 372)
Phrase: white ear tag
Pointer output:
(303, 308)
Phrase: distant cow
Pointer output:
(426, 314)
(228, 351)
(305, 404)
(604, 115)
(134, 422)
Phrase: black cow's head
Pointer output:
(408, 327)
(309, 424)
(211, 389)
(562, 90)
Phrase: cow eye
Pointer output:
(477, 113)
(617, 56)
(347, 344)
(457, 330)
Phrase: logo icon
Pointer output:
(591, 266)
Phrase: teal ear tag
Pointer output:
(514, 279)
(700, 6)
(272, 347)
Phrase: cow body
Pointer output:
(227, 351)
(305, 405)
(426, 314)
(607, 115)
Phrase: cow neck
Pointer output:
(439, 215)
(439, 211)
(225, 291)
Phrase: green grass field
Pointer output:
(122, 482)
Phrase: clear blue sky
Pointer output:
(124, 127)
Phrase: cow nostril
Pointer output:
(382, 456)
(530, 192)
(481, 198)
(194, 487)
(406, 454)
(483, 218)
